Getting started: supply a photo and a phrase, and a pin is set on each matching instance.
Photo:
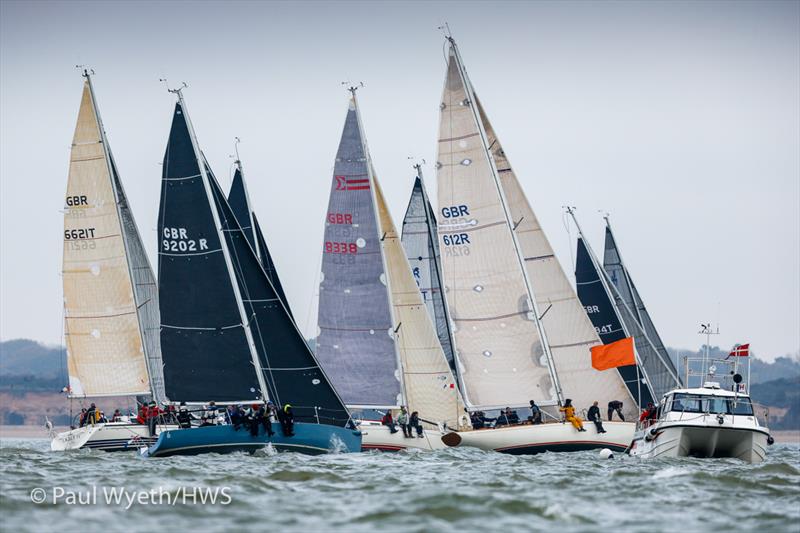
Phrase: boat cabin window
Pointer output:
(687, 403)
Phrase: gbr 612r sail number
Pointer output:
(176, 240)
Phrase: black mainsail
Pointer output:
(205, 339)
(421, 243)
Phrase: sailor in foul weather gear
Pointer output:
(184, 417)
(402, 419)
(286, 418)
(615, 406)
(388, 421)
(414, 423)
(536, 413)
(569, 415)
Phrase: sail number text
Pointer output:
(340, 247)
(78, 234)
(340, 218)
(176, 240)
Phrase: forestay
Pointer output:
(355, 342)
(204, 344)
(421, 243)
(105, 351)
(657, 363)
(499, 349)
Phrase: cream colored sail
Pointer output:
(105, 353)
(430, 387)
(570, 333)
(500, 352)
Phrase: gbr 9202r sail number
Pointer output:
(176, 240)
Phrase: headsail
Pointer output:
(290, 371)
(421, 242)
(205, 340)
(355, 342)
(428, 381)
(106, 348)
(657, 362)
(547, 352)
(239, 201)
(606, 317)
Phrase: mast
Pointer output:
(381, 234)
(509, 221)
(110, 167)
(607, 288)
(238, 163)
(224, 246)
(637, 316)
(426, 204)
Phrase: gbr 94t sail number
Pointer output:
(177, 240)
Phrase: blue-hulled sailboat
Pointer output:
(226, 335)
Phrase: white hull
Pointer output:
(375, 436)
(110, 436)
(709, 441)
(552, 437)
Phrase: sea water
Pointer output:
(457, 490)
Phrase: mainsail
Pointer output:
(206, 342)
(604, 314)
(239, 201)
(108, 305)
(355, 342)
(360, 237)
(521, 332)
(421, 242)
(652, 353)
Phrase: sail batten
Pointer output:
(107, 353)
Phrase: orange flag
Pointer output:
(619, 353)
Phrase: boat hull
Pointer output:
(705, 441)
(378, 437)
(311, 439)
(109, 436)
(553, 437)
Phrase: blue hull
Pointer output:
(312, 439)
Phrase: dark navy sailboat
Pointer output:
(614, 319)
(226, 334)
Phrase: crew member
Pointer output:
(414, 423)
(286, 418)
(536, 413)
(569, 415)
(184, 417)
(594, 415)
(615, 406)
(388, 421)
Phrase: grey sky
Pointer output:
(681, 119)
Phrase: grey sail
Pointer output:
(652, 354)
(421, 243)
(355, 342)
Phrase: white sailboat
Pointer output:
(520, 333)
(110, 295)
(376, 341)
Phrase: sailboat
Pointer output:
(375, 339)
(226, 336)
(110, 298)
(614, 318)
(520, 332)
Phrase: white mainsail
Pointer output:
(105, 349)
(495, 259)
(430, 387)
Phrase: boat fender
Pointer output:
(605, 453)
(720, 419)
(770, 440)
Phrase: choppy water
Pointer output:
(450, 490)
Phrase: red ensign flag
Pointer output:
(619, 353)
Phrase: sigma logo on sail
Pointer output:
(176, 240)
